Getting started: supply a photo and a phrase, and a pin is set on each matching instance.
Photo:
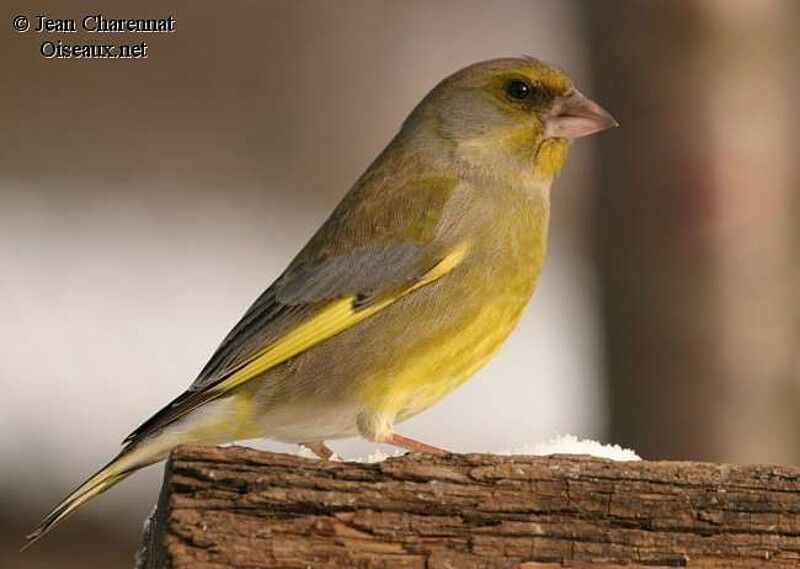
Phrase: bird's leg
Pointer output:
(413, 445)
(319, 448)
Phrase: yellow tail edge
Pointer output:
(122, 466)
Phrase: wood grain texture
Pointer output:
(238, 507)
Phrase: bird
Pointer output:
(410, 286)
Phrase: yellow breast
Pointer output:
(446, 365)
(477, 307)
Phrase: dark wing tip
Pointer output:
(177, 408)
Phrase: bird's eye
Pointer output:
(518, 90)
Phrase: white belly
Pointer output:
(309, 422)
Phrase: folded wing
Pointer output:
(316, 298)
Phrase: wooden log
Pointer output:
(238, 507)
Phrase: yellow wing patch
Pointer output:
(336, 317)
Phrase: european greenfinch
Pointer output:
(409, 287)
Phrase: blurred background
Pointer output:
(145, 203)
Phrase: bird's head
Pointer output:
(517, 109)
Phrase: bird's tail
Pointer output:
(131, 459)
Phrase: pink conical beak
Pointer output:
(575, 116)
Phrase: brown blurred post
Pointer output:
(695, 216)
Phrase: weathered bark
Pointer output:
(237, 507)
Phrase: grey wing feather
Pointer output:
(363, 271)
